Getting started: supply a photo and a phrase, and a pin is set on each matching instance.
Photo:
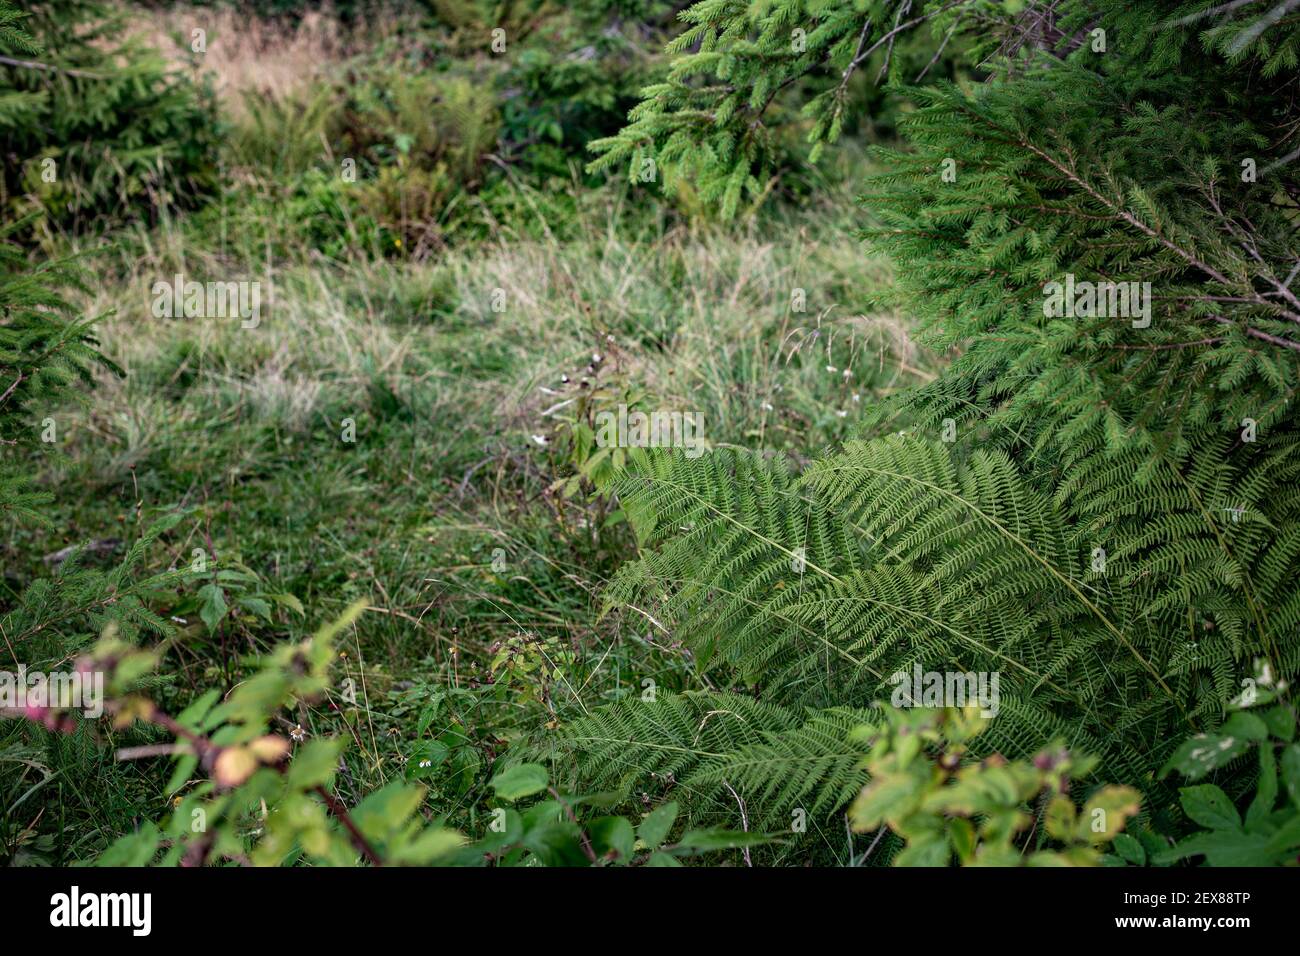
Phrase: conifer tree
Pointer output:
(745, 69)
(93, 124)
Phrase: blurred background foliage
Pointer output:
(440, 130)
(235, 160)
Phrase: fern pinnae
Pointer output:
(863, 466)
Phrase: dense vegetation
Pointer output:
(984, 312)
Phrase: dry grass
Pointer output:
(247, 54)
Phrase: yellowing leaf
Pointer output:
(269, 749)
(234, 765)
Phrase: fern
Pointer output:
(709, 748)
(892, 553)
(668, 739)
(1102, 511)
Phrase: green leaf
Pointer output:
(882, 799)
(961, 834)
(185, 766)
(381, 813)
(134, 849)
(288, 600)
(1060, 818)
(1286, 840)
(1281, 722)
(1130, 849)
(255, 606)
(1198, 755)
(557, 844)
(432, 843)
(612, 834)
(314, 763)
(658, 858)
(462, 767)
(1110, 807)
(1221, 848)
(425, 757)
(1291, 772)
(192, 716)
(428, 714)
(655, 827)
(543, 811)
(214, 605)
(1266, 788)
(1244, 724)
(1210, 807)
(716, 838)
(511, 830)
(925, 849)
(521, 780)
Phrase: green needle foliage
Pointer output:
(44, 348)
(715, 120)
(94, 125)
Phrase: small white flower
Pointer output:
(841, 414)
(426, 763)
(540, 440)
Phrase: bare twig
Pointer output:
(33, 65)
(744, 820)
(151, 750)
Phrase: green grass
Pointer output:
(455, 456)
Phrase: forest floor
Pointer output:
(396, 430)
